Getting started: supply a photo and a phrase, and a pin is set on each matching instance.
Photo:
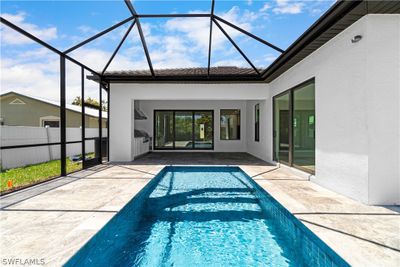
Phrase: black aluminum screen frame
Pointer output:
(104, 80)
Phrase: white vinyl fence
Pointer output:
(22, 135)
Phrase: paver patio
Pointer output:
(53, 220)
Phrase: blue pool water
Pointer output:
(204, 216)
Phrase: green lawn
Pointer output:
(35, 173)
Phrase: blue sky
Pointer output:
(178, 42)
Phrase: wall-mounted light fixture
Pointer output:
(356, 38)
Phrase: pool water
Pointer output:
(204, 216)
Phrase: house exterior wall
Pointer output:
(29, 114)
(356, 104)
(175, 96)
(261, 148)
(148, 107)
(357, 109)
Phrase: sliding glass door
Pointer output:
(183, 129)
(304, 127)
(203, 129)
(164, 133)
(294, 127)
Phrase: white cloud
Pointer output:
(270, 58)
(9, 36)
(33, 77)
(232, 62)
(265, 7)
(85, 29)
(197, 30)
(316, 8)
(265, 60)
(251, 16)
(288, 7)
(176, 43)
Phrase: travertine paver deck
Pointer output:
(52, 221)
(363, 235)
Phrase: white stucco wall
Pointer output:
(262, 148)
(383, 113)
(357, 109)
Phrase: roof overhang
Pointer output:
(194, 78)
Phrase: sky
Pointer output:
(29, 68)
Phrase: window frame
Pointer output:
(257, 122)
(50, 118)
(239, 120)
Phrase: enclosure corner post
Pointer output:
(62, 118)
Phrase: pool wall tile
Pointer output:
(314, 251)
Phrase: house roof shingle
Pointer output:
(223, 73)
(224, 70)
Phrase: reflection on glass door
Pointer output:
(281, 133)
(294, 127)
(203, 129)
(164, 131)
(304, 127)
(183, 129)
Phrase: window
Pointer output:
(257, 123)
(50, 121)
(230, 124)
(183, 129)
(47, 123)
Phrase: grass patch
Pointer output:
(34, 173)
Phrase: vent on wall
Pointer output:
(17, 101)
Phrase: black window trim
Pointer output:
(257, 124)
(240, 124)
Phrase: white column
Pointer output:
(121, 126)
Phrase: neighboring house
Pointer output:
(22, 110)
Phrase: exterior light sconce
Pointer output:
(356, 39)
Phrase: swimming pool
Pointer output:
(204, 216)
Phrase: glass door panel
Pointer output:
(281, 134)
(304, 127)
(203, 129)
(164, 129)
(183, 129)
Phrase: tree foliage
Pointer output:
(90, 102)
